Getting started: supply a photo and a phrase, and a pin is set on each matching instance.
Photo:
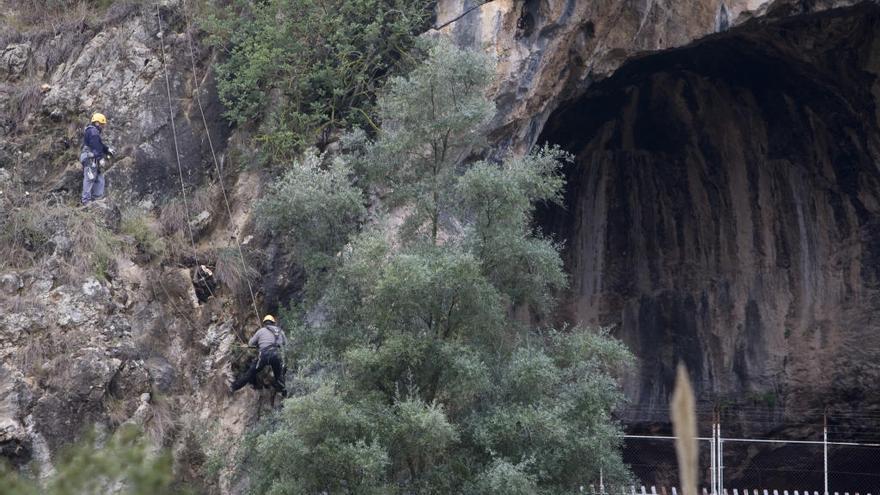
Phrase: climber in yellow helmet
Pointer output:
(270, 340)
(93, 157)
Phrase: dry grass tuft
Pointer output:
(160, 424)
(232, 274)
(94, 247)
(22, 19)
(118, 410)
(30, 359)
(144, 232)
(85, 245)
(23, 100)
(23, 236)
(173, 216)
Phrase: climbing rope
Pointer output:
(192, 238)
(464, 13)
(197, 92)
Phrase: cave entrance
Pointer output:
(723, 209)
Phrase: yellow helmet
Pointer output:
(269, 318)
(99, 118)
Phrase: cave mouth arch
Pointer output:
(723, 209)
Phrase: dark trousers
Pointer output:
(267, 358)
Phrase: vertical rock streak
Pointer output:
(723, 209)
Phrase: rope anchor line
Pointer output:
(197, 90)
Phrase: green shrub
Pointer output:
(504, 478)
(422, 380)
(316, 63)
(322, 444)
(314, 207)
(123, 463)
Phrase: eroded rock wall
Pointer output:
(83, 346)
(724, 211)
(111, 62)
(549, 51)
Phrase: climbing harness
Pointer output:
(278, 347)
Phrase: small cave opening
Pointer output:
(525, 25)
(723, 210)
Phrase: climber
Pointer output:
(92, 156)
(270, 340)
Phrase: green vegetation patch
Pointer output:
(414, 374)
(308, 66)
(122, 464)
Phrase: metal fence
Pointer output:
(746, 466)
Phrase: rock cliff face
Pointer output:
(550, 51)
(134, 343)
(724, 210)
(52, 80)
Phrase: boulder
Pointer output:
(13, 60)
(15, 445)
(161, 373)
(10, 283)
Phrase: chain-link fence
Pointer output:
(653, 462)
(854, 468)
(754, 466)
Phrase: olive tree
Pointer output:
(417, 377)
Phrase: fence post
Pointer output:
(720, 459)
(825, 447)
(713, 466)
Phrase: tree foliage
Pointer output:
(416, 377)
(122, 465)
(316, 63)
(314, 207)
(431, 121)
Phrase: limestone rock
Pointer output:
(14, 440)
(10, 283)
(201, 221)
(13, 59)
(84, 376)
(93, 289)
(140, 415)
(161, 373)
(712, 217)
(551, 51)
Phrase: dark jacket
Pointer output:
(92, 140)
